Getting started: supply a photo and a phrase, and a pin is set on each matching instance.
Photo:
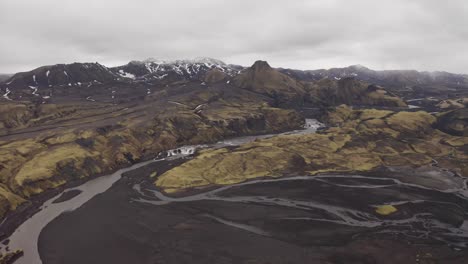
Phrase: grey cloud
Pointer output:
(419, 34)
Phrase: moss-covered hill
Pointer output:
(359, 140)
(46, 146)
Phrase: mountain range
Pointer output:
(404, 82)
(137, 79)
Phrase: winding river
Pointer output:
(26, 235)
(456, 237)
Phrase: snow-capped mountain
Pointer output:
(75, 74)
(79, 79)
(188, 69)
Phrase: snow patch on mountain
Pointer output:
(126, 74)
(34, 88)
(5, 95)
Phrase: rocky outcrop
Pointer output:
(263, 79)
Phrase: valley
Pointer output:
(206, 162)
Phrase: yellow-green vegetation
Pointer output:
(385, 209)
(8, 200)
(30, 165)
(361, 140)
(411, 122)
(42, 165)
(10, 257)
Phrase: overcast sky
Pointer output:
(310, 34)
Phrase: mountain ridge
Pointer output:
(286, 86)
(310, 73)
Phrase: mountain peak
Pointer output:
(261, 65)
(359, 67)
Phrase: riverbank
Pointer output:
(25, 236)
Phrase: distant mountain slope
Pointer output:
(404, 82)
(93, 81)
(263, 79)
(351, 91)
(62, 75)
(4, 76)
(289, 91)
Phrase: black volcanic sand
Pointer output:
(114, 228)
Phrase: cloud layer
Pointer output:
(384, 34)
